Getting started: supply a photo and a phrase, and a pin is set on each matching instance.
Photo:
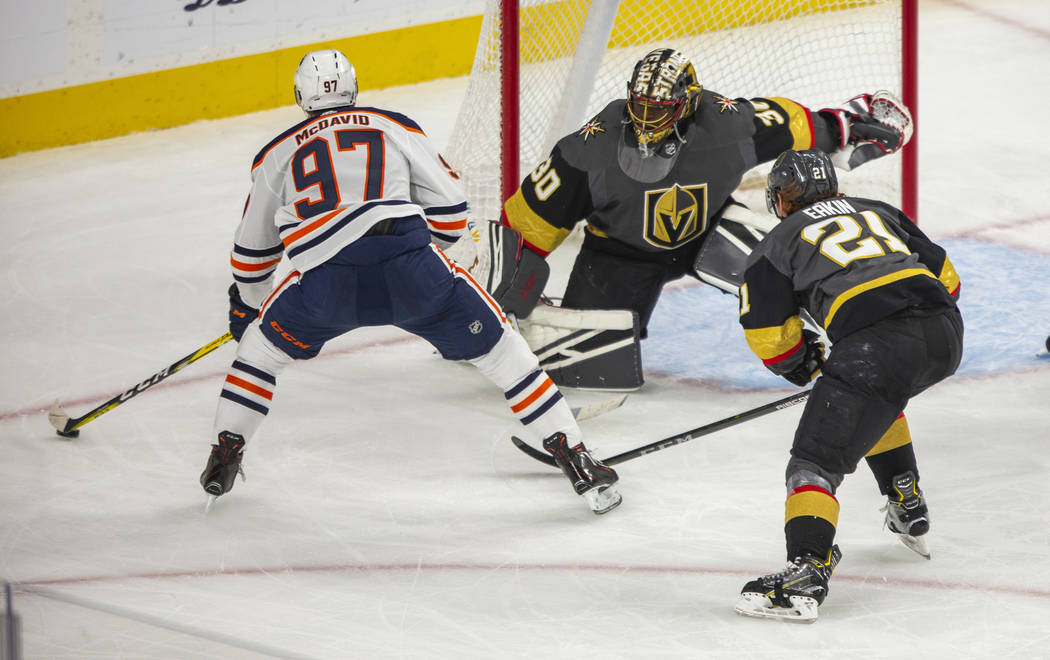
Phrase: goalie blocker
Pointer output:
(723, 257)
(514, 275)
(584, 349)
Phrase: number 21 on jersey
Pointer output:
(842, 239)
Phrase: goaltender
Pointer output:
(653, 175)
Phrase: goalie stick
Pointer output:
(679, 438)
(68, 427)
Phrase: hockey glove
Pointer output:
(869, 126)
(241, 315)
(812, 361)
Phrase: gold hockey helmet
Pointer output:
(662, 91)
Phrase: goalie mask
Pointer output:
(662, 91)
(799, 178)
(325, 79)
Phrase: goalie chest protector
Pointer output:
(666, 200)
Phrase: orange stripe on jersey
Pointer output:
(459, 270)
(410, 129)
(240, 265)
(302, 231)
(448, 224)
(280, 287)
(481, 290)
(444, 257)
(251, 387)
(537, 393)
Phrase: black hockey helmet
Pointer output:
(663, 90)
(799, 178)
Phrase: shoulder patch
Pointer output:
(725, 103)
(591, 128)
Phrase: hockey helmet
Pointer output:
(799, 178)
(662, 91)
(325, 79)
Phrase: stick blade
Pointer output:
(529, 450)
(595, 409)
(59, 419)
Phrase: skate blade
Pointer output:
(603, 500)
(803, 609)
(916, 544)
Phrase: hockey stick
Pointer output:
(594, 409)
(67, 427)
(679, 438)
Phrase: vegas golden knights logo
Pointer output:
(675, 216)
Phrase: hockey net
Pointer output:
(574, 56)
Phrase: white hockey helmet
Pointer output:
(325, 79)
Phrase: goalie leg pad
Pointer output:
(587, 349)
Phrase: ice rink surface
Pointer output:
(386, 515)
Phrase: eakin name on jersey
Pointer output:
(850, 262)
(664, 201)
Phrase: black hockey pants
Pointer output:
(866, 383)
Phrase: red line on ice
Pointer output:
(999, 18)
(944, 585)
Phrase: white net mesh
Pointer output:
(817, 52)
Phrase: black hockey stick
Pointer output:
(679, 438)
(68, 427)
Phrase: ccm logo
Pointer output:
(529, 283)
(287, 337)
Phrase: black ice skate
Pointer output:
(906, 513)
(793, 594)
(589, 476)
(224, 465)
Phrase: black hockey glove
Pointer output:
(811, 362)
(240, 313)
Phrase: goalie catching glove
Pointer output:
(869, 127)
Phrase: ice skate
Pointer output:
(589, 476)
(792, 594)
(907, 515)
(224, 464)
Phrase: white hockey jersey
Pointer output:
(323, 183)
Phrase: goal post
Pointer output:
(543, 67)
